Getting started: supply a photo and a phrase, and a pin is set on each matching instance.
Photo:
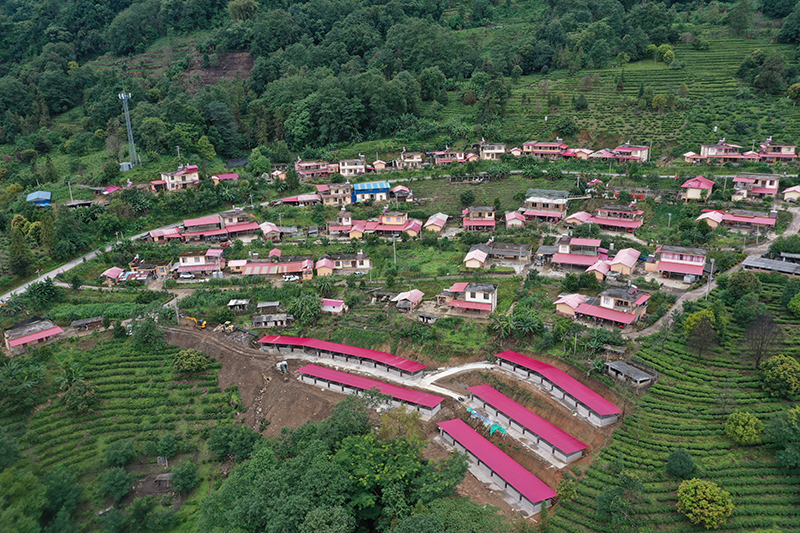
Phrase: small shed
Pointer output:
(629, 374)
(163, 481)
(273, 321)
(238, 305)
(87, 323)
(268, 307)
(39, 198)
(334, 307)
(427, 318)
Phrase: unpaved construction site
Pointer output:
(280, 400)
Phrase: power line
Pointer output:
(131, 147)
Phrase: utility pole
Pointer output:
(710, 277)
(179, 152)
(394, 249)
(131, 147)
(69, 184)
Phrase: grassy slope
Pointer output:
(684, 410)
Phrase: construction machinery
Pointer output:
(197, 324)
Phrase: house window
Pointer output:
(338, 263)
(606, 300)
(473, 295)
(361, 263)
(485, 295)
(196, 259)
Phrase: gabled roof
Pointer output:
(584, 242)
(530, 486)
(716, 216)
(600, 266)
(413, 296)
(359, 382)
(380, 357)
(214, 252)
(698, 183)
(330, 302)
(572, 300)
(223, 177)
(459, 287)
(370, 186)
(606, 314)
(202, 221)
(39, 196)
(514, 215)
(55, 330)
(528, 419)
(113, 272)
(796, 188)
(477, 255)
(564, 381)
(627, 257)
(439, 219)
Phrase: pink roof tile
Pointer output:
(330, 302)
(214, 252)
(600, 266)
(380, 357)
(550, 214)
(530, 486)
(606, 314)
(698, 183)
(275, 252)
(572, 300)
(113, 272)
(223, 177)
(475, 306)
(680, 268)
(459, 287)
(202, 221)
(627, 257)
(19, 341)
(584, 242)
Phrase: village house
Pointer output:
(309, 170)
(224, 178)
(619, 307)
(377, 191)
(408, 300)
(581, 154)
(740, 219)
(580, 252)
(196, 229)
(492, 151)
(201, 262)
(336, 194)
(543, 149)
(515, 151)
(791, 194)
(749, 186)
(238, 306)
(477, 256)
(156, 269)
(378, 165)
(112, 275)
(303, 200)
(410, 160)
(772, 152)
(273, 321)
(301, 266)
(678, 260)
(480, 298)
(514, 219)
(271, 231)
(721, 152)
(698, 188)
(478, 218)
(30, 332)
(163, 235)
(436, 223)
(627, 373)
(401, 193)
(87, 323)
(333, 307)
(784, 266)
(185, 177)
(447, 156)
(629, 152)
(267, 308)
(545, 205)
(599, 269)
(279, 175)
(343, 264)
(234, 217)
(352, 167)
(618, 217)
(625, 261)
(566, 304)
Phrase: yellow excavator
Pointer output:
(198, 325)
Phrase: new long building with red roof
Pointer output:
(599, 411)
(488, 461)
(534, 428)
(341, 352)
(426, 404)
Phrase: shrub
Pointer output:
(81, 398)
(115, 483)
(120, 453)
(190, 361)
(781, 376)
(184, 476)
(680, 464)
(704, 503)
(744, 428)
(168, 445)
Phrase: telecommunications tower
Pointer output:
(131, 147)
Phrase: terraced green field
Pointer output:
(687, 408)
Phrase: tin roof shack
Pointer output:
(273, 321)
(238, 306)
(156, 269)
(627, 373)
(35, 330)
(87, 323)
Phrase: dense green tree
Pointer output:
(9, 451)
(790, 29)
(680, 463)
(184, 476)
(618, 505)
(115, 483)
(761, 337)
(306, 308)
(704, 502)
(63, 493)
(237, 442)
(744, 428)
(168, 445)
(22, 499)
(81, 398)
(20, 256)
(781, 376)
(784, 431)
(431, 82)
(190, 360)
(121, 452)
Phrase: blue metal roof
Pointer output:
(38, 196)
(371, 186)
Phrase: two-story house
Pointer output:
(721, 152)
(480, 298)
(678, 260)
(755, 186)
(201, 262)
(740, 219)
(410, 160)
(547, 150)
(772, 152)
(312, 169)
(545, 205)
(629, 152)
(196, 229)
(352, 167)
(234, 216)
(492, 151)
(185, 177)
(618, 217)
(698, 188)
(447, 156)
(336, 194)
(618, 307)
(377, 191)
(579, 252)
(478, 218)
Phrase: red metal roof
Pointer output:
(197, 268)
(247, 226)
(288, 267)
(606, 314)
(380, 357)
(765, 190)
(475, 306)
(565, 382)
(359, 382)
(207, 233)
(528, 419)
(227, 176)
(158, 182)
(112, 272)
(641, 299)
(698, 183)
(741, 219)
(680, 268)
(617, 222)
(459, 287)
(575, 259)
(214, 252)
(479, 223)
(742, 179)
(202, 221)
(530, 486)
(35, 336)
(584, 242)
